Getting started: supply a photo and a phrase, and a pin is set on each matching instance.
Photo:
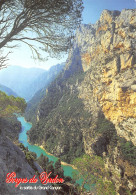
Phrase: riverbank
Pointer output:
(23, 138)
(62, 163)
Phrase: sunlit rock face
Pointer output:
(108, 54)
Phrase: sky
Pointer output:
(92, 11)
(94, 8)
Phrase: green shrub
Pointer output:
(128, 150)
(93, 172)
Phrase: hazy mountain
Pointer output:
(27, 81)
(20, 79)
(44, 81)
(45, 78)
(7, 90)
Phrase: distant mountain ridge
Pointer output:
(7, 90)
(19, 79)
(33, 104)
(25, 81)
(43, 79)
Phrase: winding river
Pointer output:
(26, 126)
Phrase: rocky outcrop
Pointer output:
(61, 118)
(11, 127)
(110, 58)
(106, 52)
(108, 55)
(12, 159)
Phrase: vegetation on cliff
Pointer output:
(95, 176)
(44, 79)
(68, 187)
(8, 122)
(10, 104)
(62, 118)
(128, 150)
(103, 121)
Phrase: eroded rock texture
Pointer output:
(108, 55)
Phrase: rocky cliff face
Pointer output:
(106, 52)
(11, 127)
(108, 55)
(12, 159)
(61, 117)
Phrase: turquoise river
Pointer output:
(26, 126)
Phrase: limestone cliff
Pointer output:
(99, 111)
(11, 127)
(111, 59)
(108, 55)
(61, 117)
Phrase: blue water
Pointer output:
(26, 126)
